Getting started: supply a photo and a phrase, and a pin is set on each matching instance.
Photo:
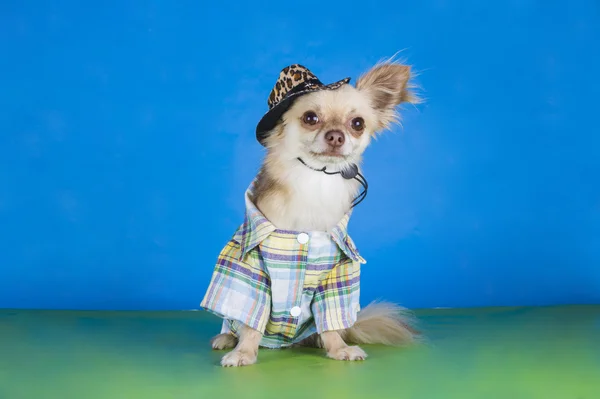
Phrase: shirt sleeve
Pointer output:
(336, 302)
(239, 289)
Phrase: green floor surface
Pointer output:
(505, 353)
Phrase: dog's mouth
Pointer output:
(328, 154)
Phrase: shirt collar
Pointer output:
(257, 227)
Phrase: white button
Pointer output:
(295, 311)
(302, 238)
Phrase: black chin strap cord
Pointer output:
(349, 173)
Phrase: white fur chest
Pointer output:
(316, 201)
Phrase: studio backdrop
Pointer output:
(127, 142)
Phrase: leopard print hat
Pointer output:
(294, 81)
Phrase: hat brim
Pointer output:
(272, 117)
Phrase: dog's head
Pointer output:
(334, 127)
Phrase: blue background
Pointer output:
(127, 141)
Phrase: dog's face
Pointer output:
(331, 126)
(334, 127)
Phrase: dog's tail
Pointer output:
(382, 323)
(378, 323)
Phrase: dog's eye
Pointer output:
(310, 118)
(358, 124)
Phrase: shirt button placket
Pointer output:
(296, 311)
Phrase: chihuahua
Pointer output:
(290, 274)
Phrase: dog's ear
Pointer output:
(387, 86)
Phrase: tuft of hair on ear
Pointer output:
(388, 85)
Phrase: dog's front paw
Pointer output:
(237, 358)
(223, 341)
(350, 353)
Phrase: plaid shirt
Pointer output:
(286, 284)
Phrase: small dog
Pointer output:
(290, 274)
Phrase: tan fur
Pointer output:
(271, 193)
(223, 341)
(387, 83)
(294, 197)
(378, 323)
(246, 350)
(337, 349)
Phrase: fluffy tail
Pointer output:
(382, 323)
(378, 323)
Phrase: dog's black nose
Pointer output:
(335, 138)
